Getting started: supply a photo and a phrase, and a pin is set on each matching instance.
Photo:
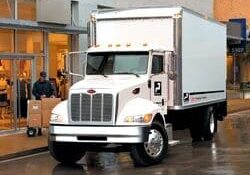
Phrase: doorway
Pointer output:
(59, 46)
(17, 76)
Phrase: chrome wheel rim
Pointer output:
(154, 145)
(212, 124)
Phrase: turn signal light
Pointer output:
(147, 118)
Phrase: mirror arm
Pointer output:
(68, 63)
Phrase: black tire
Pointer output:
(209, 124)
(66, 153)
(196, 125)
(39, 133)
(31, 132)
(140, 153)
(201, 121)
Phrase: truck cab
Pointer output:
(122, 100)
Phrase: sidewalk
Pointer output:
(19, 144)
(235, 105)
(14, 145)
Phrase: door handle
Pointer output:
(149, 83)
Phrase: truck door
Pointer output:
(159, 80)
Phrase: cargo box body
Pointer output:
(197, 42)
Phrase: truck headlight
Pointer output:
(138, 118)
(56, 118)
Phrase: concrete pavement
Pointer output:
(18, 144)
(13, 145)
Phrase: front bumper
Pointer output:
(99, 134)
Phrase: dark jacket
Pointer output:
(42, 88)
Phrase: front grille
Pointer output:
(91, 109)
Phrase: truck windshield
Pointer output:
(117, 63)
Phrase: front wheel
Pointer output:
(66, 153)
(153, 151)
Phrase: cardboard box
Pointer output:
(47, 106)
(35, 120)
(46, 118)
(34, 107)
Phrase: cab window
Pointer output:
(157, 64)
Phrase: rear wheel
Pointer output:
(203, 124)
(153, 151)
(66, 153)
(209, 124)
(195, 125)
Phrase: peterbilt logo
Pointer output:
(91, 91)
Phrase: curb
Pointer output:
(237, 110)
(23, 153)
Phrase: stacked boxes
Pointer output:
(39, 112)
(47, 105)
(34, 114)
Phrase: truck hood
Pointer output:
(116, 83)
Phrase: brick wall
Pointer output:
(226, 9)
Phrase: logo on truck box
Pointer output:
(157, 88)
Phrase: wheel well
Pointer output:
(158, 117)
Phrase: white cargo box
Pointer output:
(198, 43)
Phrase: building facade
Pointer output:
(238, 64)
(32, 40)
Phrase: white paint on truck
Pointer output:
(203, 58)
(146, 69)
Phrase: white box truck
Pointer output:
(146, 69)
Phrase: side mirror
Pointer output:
(73, 59)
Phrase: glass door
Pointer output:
(17, 77)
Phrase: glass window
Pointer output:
(59, 45)
(157, 64)
(131, 63)
(6, 9)
(29, 42)
(39, 66)
(6, 41)
(26, 9)
(117, 63)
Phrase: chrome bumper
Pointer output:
(99, 134)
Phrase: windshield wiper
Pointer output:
(104, 75)
(137, 75)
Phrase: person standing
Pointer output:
(42, 88)
(21, 98)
